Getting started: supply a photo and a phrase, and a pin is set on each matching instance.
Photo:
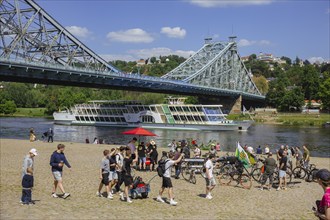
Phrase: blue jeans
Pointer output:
(26, 196)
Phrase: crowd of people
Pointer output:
(116, 169)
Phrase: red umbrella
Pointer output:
(139, 131)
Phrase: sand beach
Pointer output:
(82, 182)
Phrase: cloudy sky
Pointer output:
(130, 30)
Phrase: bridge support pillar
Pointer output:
(236, 108)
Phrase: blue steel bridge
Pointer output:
(35, 48)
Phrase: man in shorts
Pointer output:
(210, 180)
(104, 174)
(282, 171)
(57, 161)
(167, 183)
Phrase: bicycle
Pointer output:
(237, 176)
(191, 167)
(301, 171)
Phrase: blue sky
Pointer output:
(130, 30)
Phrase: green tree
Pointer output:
(293, 98)
(324, 93)
(261, 84)
(9, 107)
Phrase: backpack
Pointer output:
(161, 167)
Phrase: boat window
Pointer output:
(91, 118)
(102, 119)
(122, 119)
(117, 119)
(86, 118)
(112, 119)
(153, 108)
(97, 119)
(107, 119)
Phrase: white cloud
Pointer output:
(246, 43)
(134, 55)
(135, 35)
(316, 59)
(80, 32)
(175, 32)
(225, 3)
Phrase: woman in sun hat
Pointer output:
(152, 151)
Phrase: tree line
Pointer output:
(286, 86)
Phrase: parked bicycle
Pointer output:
(302, 172)
(237, 176)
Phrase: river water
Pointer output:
(316, 138)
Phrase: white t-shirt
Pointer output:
(168, 165)
(119, 161)
(209, 166)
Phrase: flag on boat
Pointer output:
(242, 155)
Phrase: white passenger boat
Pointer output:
(173, 115)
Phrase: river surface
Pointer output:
(316, 138)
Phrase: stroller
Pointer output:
(139, 188)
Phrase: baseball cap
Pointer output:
(323, 174)
(34, 151)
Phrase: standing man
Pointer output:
(132, 146)
(282, 173)
(306, 156)
(57, 161)
(210, 181)
(270, 165)
(119, 168)
(50, 135)
(29, 160)
(299, 157)
(142, 156)
(167, 183)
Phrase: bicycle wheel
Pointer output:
(185, 172)
(224, 179)
(311, 175)
(256, 174)
(245, 181)
(299, 173)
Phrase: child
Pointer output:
(27, 184)
(104, 174)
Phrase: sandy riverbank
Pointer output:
(82, 182)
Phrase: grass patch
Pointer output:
(30, 112)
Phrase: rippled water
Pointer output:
(316, 138)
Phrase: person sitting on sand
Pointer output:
(167, 183)
(323, 206)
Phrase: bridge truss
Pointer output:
(35, 48)
(216, 65)
(29, 34)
